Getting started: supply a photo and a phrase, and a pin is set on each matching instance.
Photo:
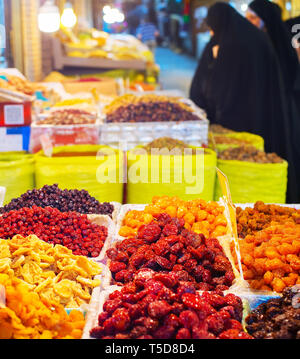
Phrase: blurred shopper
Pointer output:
(287, 57)
(239, 85)
(134, 15)
(147, 32)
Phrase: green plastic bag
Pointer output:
(250, 182)
(252, 140)
(187, 177)
(16, 174)
(101, 177)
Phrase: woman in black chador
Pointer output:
(277, 31)
(238, 82)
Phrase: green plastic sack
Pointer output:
(250, 182)
(252, 139)
(187, 177)
(101, 177)
(16, 174)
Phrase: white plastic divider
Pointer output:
(95, 308)
(106, 221)
(2, 195)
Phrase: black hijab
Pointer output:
(280, 38)
(242, 88)
(238, 88)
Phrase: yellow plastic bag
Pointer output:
(249, 138)
(250, 182)
(16, 174)
(187, 177)
(78, 167)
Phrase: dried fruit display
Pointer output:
(170, 144)
(278, 318)
(53, 272)
(165, 245)
(249, 154)
(218, 129)
(149, 108)
(70, 229)
(165, 308)
(64, 200)
(251, 220)
(130, 99)
(271, 258)
(199, 216)
(69, 117)
(27, 316)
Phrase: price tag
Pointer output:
(230, 208)
(227, 196)
(46, 145)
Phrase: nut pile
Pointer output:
(165, 245)
(53, 272)
(69, 117)
(165, 308)
(199, 216)
(27, 316)
(249, 154)
(63, 200)
(70, 229)
(252, 220)
(271, 257)
(278, 318)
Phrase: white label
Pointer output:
(10, 142)
(14, 115)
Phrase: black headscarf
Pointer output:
(242, 88)
(280, 38)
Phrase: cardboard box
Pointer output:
(14, 138)
(105, 86)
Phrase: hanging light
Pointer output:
(68, 17)
(244, 7)
(49, 17)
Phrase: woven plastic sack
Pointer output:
(101, 177)
(250, 182)
(17, 174)
(187, 177)
(252, 140)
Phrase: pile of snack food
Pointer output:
(100, 44)
(69, 116)
(249, 154)
(18, 84)
(167, 272)
(64, 200)
(149, 108)
(269, 246)
(200, 216)
(165, 245)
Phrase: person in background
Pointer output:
(147, 32)
(238, 83)
(277, 32)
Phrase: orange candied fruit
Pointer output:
(199, 215)
(271, 257)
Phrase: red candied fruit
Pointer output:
(152, 310)
(70, 229)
